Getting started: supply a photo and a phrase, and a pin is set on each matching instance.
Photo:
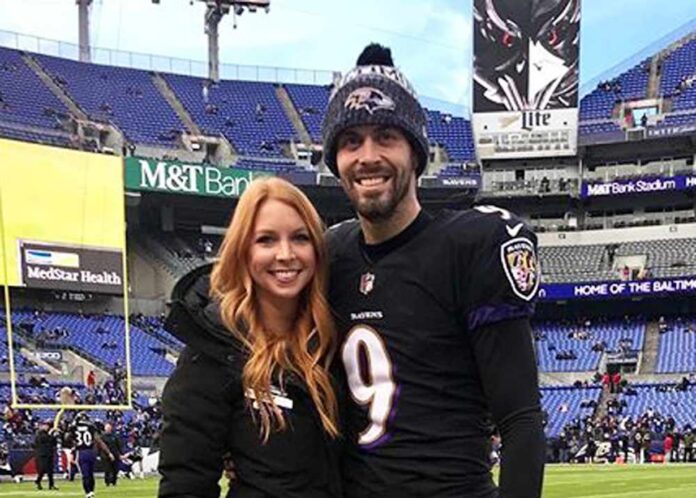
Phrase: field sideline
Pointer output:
(566, 481)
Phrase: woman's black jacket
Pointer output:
(206, 416)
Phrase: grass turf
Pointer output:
(566, 481)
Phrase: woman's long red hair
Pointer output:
(307, 350)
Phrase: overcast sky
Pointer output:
(430, 40)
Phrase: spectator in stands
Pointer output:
(683, 385)
(109, 345)
(599, 346)
(616, 383)
(106, 107)
(611, 254)
(205, 91)
(562, 184)
(258, 332)
(644, 273)
(260, 111)
(119, 372)
(566, 355)
(588, 403)
(662, 325)
(91, 380)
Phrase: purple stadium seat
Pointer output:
(453, 133)
(25, 100)
(552, 338)
(125, 97)
(247, 113)
(311, 102)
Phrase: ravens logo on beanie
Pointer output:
(375, 93)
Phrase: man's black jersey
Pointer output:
(84, 435)
(406, 310)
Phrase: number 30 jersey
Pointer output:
(84, 433)
(417, 420)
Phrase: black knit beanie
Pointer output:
(375, 93)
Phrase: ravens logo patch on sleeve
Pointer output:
(521, 267)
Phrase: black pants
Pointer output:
(110, 471)
(44, 466)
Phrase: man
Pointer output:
(45, 450)
(433, 311)
(113, 443)
(5, 466)
(86, 438)
(689, 444)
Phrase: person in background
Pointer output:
(45, 445)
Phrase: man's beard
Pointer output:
(381, 208)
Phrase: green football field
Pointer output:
(587, 481)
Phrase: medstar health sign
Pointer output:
(192, 179)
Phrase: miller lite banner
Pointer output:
(526, 62)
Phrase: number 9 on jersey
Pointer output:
(370, 379)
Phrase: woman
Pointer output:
(252, 383)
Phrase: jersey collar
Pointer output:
(374, 252)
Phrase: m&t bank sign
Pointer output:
(191, 179)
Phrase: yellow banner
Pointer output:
(59, 197)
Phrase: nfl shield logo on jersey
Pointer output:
(521, 267)
(367, 282)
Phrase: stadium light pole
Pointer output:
(213, 16)
(216, 9)
(83, 19)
